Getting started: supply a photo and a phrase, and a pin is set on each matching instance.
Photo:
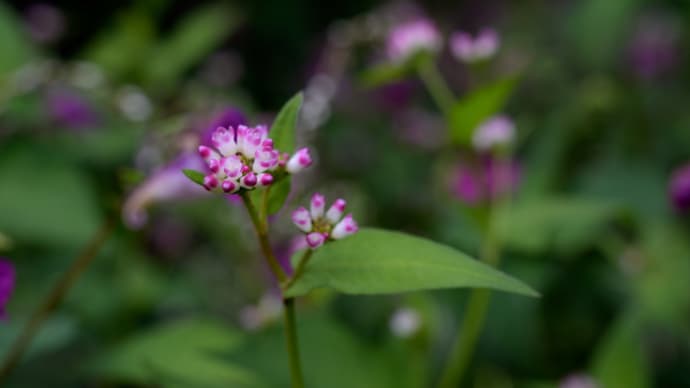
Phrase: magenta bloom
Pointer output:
(494, 132)
(654, 48)
(679, 188)
(407, 39)
(475, 183)
(470, 49)
(320, 224)
(71, 109)
(6, 284)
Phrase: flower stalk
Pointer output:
(54, 298)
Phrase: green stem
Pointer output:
(262, 233)
(261, 225)
(53, 300)
(437, 87)
(292, 344)
(300, 269)
(472, 323)
(475, 315)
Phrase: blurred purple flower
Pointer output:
(578, 380)
(412, 37)
(71, 109)
(45, 22)
(679, 188)
(228, 117)
(7, 276)
(495, 132)
(167, 183)
(474, 183)
(396, 96)
(654, 47)
(465, 48)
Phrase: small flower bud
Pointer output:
(318, 204)
(232, 166)
(335, 212)
(229, 186)
(265, 179)
(344, 228)
(299, 161)
(223, 140)
(210, 182)
(249, 180)
(302, 219)
(315, 240)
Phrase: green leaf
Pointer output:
(383, 74)
(183, 353)
(125, 45)
(620, 362)
(477, 106)
(562, 224)
(56, 207)
(13, 41)
(192, 40)
(278, 195)
(195, 176)
(375, 261)
(283, 128)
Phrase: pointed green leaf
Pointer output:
(199, 33)
(376, 261)
(478, 106)
(283, 128)
(195, 176)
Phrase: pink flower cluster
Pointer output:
(468, 49)
(409, 38)
(244, 158)
(320, 225)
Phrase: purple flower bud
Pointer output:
(466, 49)
(679, 188)
(229, 186)
(224, 141)
(315, 240)
(265, 179)
(335, 212)
(71, 109)
(497, 131)
(7, 276)
(318, 205)
(302, 219)
(299, 161)
(249, 180)
(407, 39)
(210, 182)
(344, 228)
(232, 166)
